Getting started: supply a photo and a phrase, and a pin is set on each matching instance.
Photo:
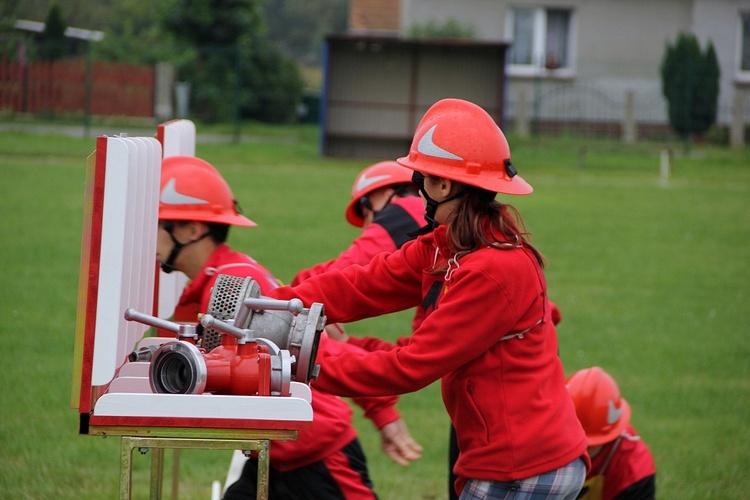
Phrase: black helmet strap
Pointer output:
(168, 266)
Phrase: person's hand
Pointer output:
(336, 332)
(398, 444)
(556, 314)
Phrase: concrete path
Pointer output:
(79, 131)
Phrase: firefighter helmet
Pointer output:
(602, 411)
(374, 177)
(192, 189)
(459, 140)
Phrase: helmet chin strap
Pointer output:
(168, 266)
(431, 209)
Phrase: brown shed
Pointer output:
(376, 88)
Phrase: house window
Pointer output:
(541, 39)
(745, 40)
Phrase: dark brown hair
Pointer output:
(468, 228)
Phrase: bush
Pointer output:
(690, 82)
(274, 85)
(451, 28)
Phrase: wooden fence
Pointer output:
(115, 89)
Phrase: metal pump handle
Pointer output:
(177, 328)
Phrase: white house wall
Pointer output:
(618, 45)
(719, 21)
(487, 17)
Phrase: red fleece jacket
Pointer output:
(488, 336)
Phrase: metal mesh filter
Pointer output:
(227, 296)
(297, 334)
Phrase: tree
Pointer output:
(690, 83)
(134, 34)
(215, 22)
(218, 34)
(228, 40)
(53, 44)
(298, 27)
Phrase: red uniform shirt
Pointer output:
(390, 229)
(332, 416)
(387, 233)
(619, 466)
(197, 294)
(488, 335)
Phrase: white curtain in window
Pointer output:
(523, 36)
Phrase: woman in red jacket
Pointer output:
(488, 333)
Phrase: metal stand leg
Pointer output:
(157, 472)
(126, 466)
(263, 467)
(157, 445)
(175, 474)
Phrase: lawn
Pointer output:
(652, 276)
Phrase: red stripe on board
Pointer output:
(95, 241)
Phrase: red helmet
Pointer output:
(374, 177)
(192, 189)
(458, 140)
(602, 411)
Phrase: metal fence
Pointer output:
(100, 88)
(597, 111)
(76, 86)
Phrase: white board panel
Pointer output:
(179, 140)
(125, 272)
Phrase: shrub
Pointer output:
(690, 82)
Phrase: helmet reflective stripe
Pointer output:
(372, 178)
(427, 146)
(364, 182)
(170, 196)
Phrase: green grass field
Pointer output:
(652, 277)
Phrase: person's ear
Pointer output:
(196, 229)
(446, 187)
